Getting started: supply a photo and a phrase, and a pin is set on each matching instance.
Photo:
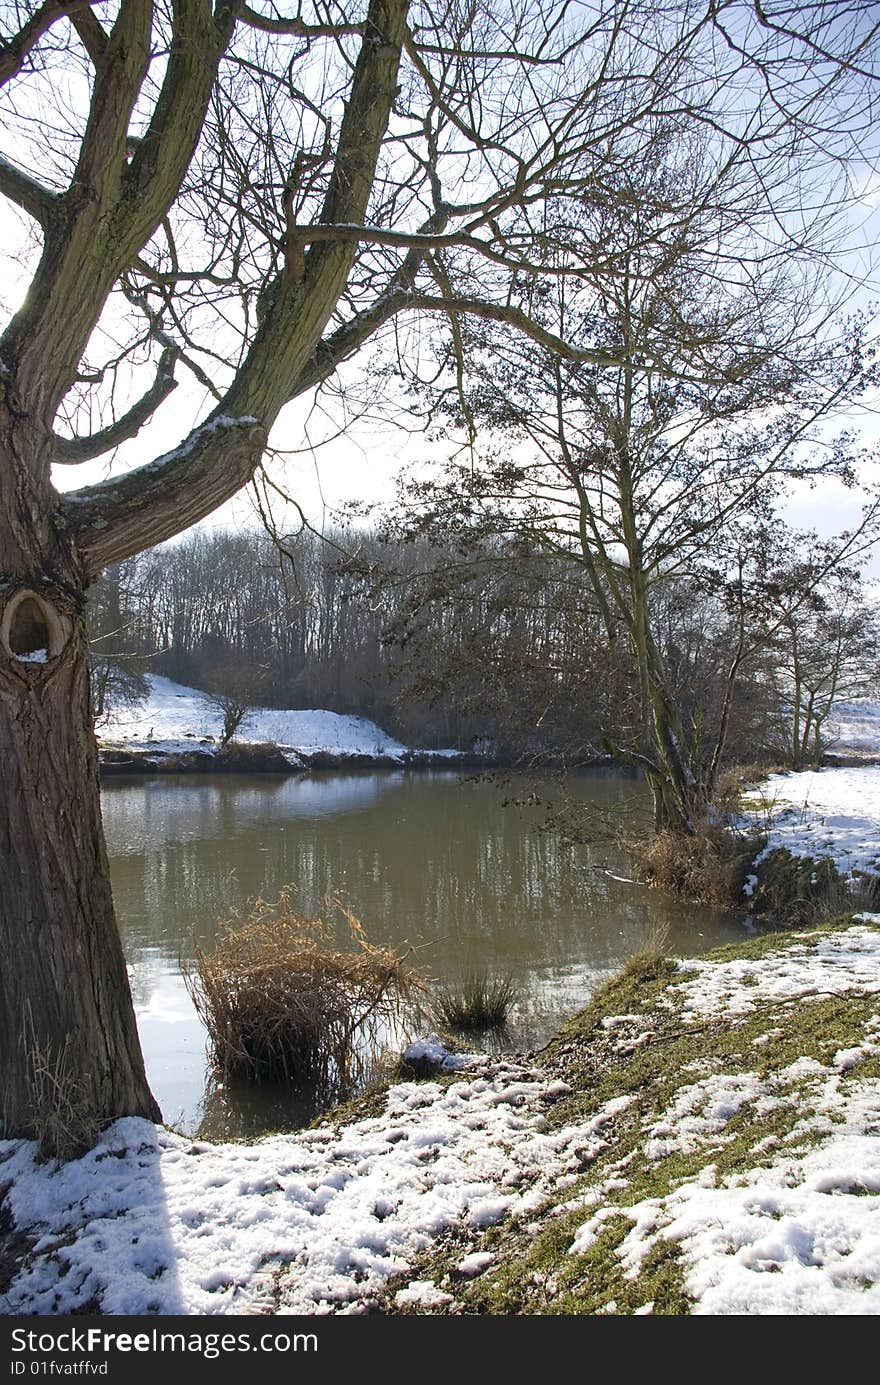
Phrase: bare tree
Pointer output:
(662, 463)
(234, 690)
(246, 198)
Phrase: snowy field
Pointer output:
(826, 812)
(176, 718)
(833, 812)
(318, 1222)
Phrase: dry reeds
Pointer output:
(708, 867)
(281, 1001)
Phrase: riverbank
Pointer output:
(819, 831)
(701, 1139)
(178, 730)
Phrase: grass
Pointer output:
(478, 1002)
(534, 1269)
(282, 1001)
(63, 1121)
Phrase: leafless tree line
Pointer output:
(475, 639)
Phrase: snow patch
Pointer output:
(176, 718)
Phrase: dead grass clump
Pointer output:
(64, 1123)
(708, 867)
(281, 1001)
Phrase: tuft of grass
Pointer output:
(64, 1123)
(478, 1002)
(281, 1001)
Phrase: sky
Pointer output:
(327, 464)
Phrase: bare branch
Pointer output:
(72, 451)
(14, 50)
(347, 339)
(303, 295)
(296, 28)
(117, 518)
(515, 317)
(93, 35)
(26, 192)
(497, 250)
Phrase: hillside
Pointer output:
(176, 719)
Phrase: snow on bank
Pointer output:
(827, 812)
(833, 812)
(149, 1222)
(821, 966)
(317, 1222)
(176, 718)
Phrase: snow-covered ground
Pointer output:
(831, 812)
(150, 1222)
(176, 718)
(800, 1232)
(318, 1222)
(826, 812)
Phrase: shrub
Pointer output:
(477, 1003)
(281, 1000)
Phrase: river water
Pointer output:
(470, 872)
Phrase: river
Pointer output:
(468, 871)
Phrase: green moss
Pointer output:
(791, 888)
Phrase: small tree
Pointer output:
(656, 466)
(234, 691)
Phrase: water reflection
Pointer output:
(425, 860)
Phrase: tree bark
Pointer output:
(72, 1060)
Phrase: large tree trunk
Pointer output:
(71, 1055)
(68, 1041)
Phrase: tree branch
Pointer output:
(115, 519)
(72, 451)
(347, 339)
(14, 51)
(26, 192)
(515, 317)
(92, 34)
(418, 240)
(297, 28)
(162, 156)
(302, 297)
(112, 206)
